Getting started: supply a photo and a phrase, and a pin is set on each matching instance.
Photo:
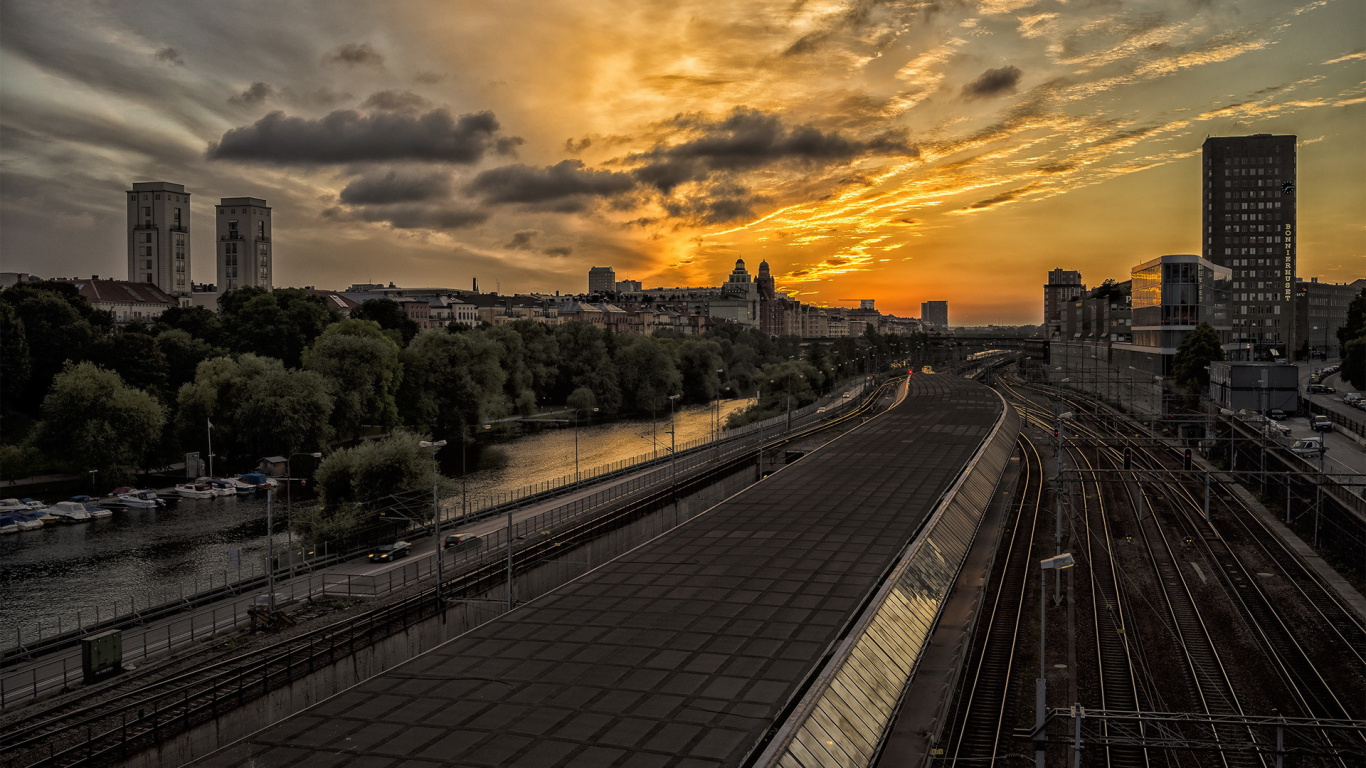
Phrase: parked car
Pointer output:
(1309, 446)
(386, 552)
(1276, 414)
(460, 540)
(1351, 398)
(1321, 424)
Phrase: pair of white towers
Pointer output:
(159, 239)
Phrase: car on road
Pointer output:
(386, 552)
(1351, 398)
(1309, 446)
(1319, 389)
(1321, 424)
(1274, 427)
(460, 541)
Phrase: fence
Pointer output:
(53, 630)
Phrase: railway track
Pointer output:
(980, 728)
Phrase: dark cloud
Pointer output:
(574, 146)
(393, 188)
(354, 55)
(1008, 196)
(718, 204)
(347, 136)
(410, 216)
(396, 101)
(170, 56)
(255, 94)
(428, 78)
(747, 139)
(559, 182)
(559, 251)
(993, 82)
(522, 240)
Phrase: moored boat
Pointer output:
(134, 498)
(92, 506)
(26, 521)
(8, 524)
(70, 512)
(195, 491)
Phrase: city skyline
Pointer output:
(863, 151)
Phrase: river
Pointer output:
(72, 572)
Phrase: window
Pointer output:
(147, 211)
(261, 230)
(176, 217)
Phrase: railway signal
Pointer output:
(1187, 463)
(1128, 457)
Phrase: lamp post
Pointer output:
(210, 432)
(673, 446)
(289, 503)
(270, 554)
(1055, 563)
(576, 439)
(436, 525)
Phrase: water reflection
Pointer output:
(62, 569)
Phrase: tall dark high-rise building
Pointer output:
(935, 313)
(1248, 225)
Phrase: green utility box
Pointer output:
(102, 655)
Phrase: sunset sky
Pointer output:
(900, 151)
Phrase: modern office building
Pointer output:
(602, 280)
(936, 314)
(1063, 285)
(159, 236)
(243, 243)
(1171, 295)
(1249, 226)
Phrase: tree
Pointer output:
(1190, 367)
(647, 374)
(219, 386)
(541, 351)
(1355, 327)
(279, 324)
(199, 322)
(1354, 362)
(390, 316)
(284, 411)
(356, 484)
(362, 365)
(698, 363)
(57, 325)
(183, 352)
(586, 362)
(136, 358)
(451, 380)
(519, 396)
(92, 419)
(15, 365)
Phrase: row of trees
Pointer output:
(276, 373)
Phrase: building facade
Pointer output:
(1063, 286)
(127, 301)
(1320, 310)
(935, 314)
(1249, 226)
(244, 249)
(159, 236)
(1171, 295)
(602, 280)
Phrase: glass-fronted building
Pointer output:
(1171, 295)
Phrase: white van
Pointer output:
(1309, 446)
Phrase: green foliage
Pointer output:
(58, 326)
(136, 358)
(1355, 327)
(92, 420)
(586, 362)
(1354, 362)
(361, 363)
(257, 407)
(647, 374)
(451, 380)
(15, 364)
(183, 352)
(1190, 367)
(698, 363)
(21, 460)
(279, 324)
(199, 322)
(390, 316)
(379, 474)
(518, 382)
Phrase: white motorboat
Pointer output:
(195, 491)
(70, 512)
(220, 487)
(8, 524)
(33, 504)
(243, 489)
(134, 498)
(13, 505)
(98, 512)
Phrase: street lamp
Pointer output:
(576, 439)
(436, 527)
(673, 445)
(1055, 563)
(289, 504)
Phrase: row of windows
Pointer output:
(1245, 206)
(233, 211)
(173, 198)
